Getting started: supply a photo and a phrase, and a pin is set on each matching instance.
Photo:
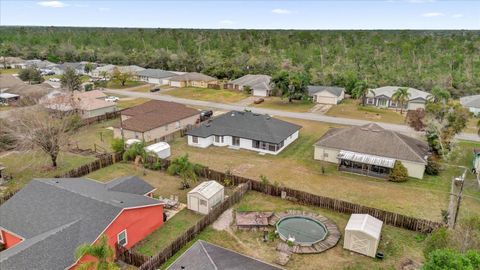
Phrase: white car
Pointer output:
(112, 99)
(54, 79)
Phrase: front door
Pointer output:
(382, 102)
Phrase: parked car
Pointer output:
(156, 89)
(258, 100)
(112, 99)
(54, 79)
(205, 114)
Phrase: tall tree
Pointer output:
(121, 77)
(291, 85)
(360, 91)
(187, 170)
(401, 96)
(70, 80)
(31, 74)
(102, 253)
(439, 95)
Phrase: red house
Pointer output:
(43, 224)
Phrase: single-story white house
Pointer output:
(326, 94)
(362, 234)
(204, 197)
(260, 84)
(155, 76)
(382, 97)
(192, 79)
(245, 130)
(372, 151)
(472, 103)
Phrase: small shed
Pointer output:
(161, 149)
(205, 196)
(130, 142)
(7, 98)
(362, 234)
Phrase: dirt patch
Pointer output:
(224, 220)
(242, 168)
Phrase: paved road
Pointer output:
(304, 116)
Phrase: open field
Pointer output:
(206, 94)
(295, 168)
(276, 103)
(26, 165)
(397, 244)
(95, 134)
(350, 108)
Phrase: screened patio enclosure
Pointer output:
(365, 164)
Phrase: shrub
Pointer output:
(399, 173)
(136, 149)
(32, 75)
(438, 239)
(88, 87)
(118, 145)
(433, 166)
(449, 259)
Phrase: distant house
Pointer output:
(382, 97)
(40, 64)
(260, 84)
(88, 104)
(245, 130)
(192, 79)
(372, 150)
(78, 67)
(207, 256)
(156, 76)
(7, 98)
(7, 62)
(326, 94)
(472, 103)
(155, 119)
(101, 69)
(42, 225)
(204, 197)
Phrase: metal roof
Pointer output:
(388, 91)
(155, 73)
(366, 224)
(471, 101)
(207, 189)
(366, 159)
(337, 91)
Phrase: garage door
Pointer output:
(176, 84)
(326, 100)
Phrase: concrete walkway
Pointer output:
(303, 116)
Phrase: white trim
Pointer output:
(12, 233)
(151, 191)
(126, 237)
(1, 237)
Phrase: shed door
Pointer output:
(360, 245)
(193, 203)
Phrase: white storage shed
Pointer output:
(362, 234)
(130, 142)
(161, 149)
(205, 196)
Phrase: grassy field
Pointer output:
(397, 244)
(206, 94)
(277, 103)
(296, 168)
(26, 165)
(351, 109)
(112, 84)
(472, 125)
(9, 71)
(124, 103)
(95, 134)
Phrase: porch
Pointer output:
(369, 165)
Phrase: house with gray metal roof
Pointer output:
(207, 256)
(260, 84)
(245, 130)
(326, 94)
(382, 97)
(42, 225)
(372, 150)
(472, 103)
(155, 76)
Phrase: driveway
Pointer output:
(303, 116)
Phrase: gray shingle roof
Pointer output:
(57, 215)
(155, 73)
(374, 140)
(337, 91)
(258, 82)
(206, 256)
(247, 125)
(130, 184)
(471, 101)
(192, 76)
(388, 91)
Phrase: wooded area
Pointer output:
(420, 59)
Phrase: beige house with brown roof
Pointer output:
(372, 150)
(192, 79)
(155, 119)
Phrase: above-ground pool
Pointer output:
(305, 230)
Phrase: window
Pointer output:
(325, 154)
(218, 139)
(256, 144)
(122, 238)
(370, 101)
(272, 147)
(393, 103)
(236, 141)
(177, 124)
(203, 202)
(1, 237)
(194, 139)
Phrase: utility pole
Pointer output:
(456, 195)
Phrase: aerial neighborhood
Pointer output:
(159, 148)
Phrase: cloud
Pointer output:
(53, 4)
(227, 22)
(421, 1)
(432, 14)
(281, 11)
(103, 9)
(456, 16)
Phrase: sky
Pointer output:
(380, 14)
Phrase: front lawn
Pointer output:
(397, 244)
(113, 84)
(206, 94)
(276, 103)
(350, 108)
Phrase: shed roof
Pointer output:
(313, 89)
(8, 95)
(470, 101)
(207, 189)
(366, 224)
(157, 147)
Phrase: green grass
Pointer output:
(350, 108)
(95, 134)
(163, 236)
(276, 103)
(26, 165)
(9, 71)
(112, 84)
(396, 243)
(206, 94)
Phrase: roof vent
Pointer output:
(233, 114)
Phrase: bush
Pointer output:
(88, 87)
(438, 239)
(136, 149)
(399, 173)
(32, 75)
(443, 259)
(118, 145)
(433, 166)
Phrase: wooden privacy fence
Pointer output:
(7, 196)
(102, 162)
(100, 118)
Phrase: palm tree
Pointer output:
(187, 170)
(360, 90)
(439, 95)
(101, 251)
(401, 96)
